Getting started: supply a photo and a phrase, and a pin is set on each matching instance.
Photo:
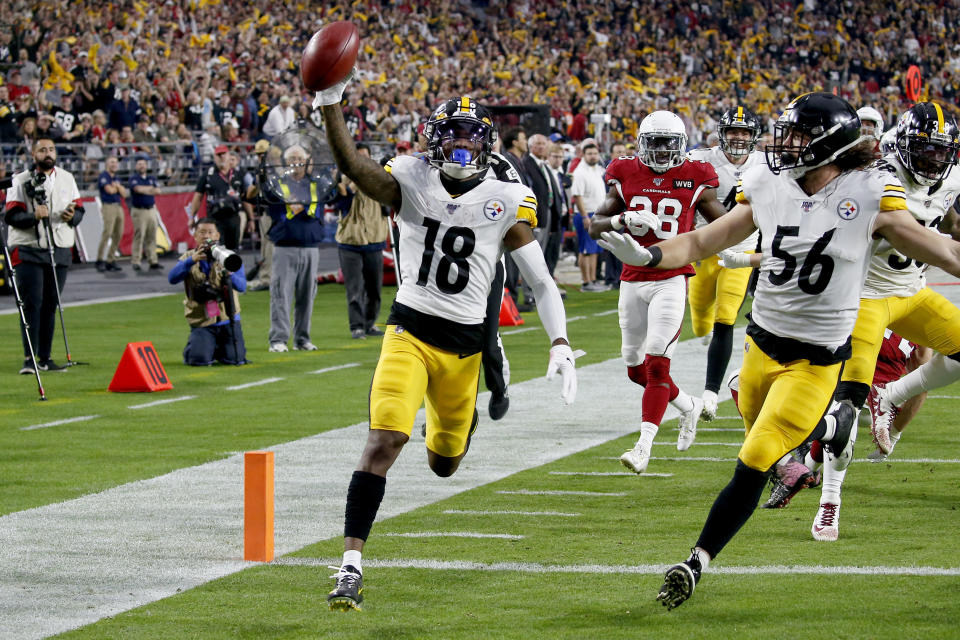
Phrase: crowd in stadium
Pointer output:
(117, 77)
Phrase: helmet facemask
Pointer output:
(661, 151)
(460, 147)
(741, 145)
(928, 160)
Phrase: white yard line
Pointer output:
(57, 423)
(507, 512)
(254, 384)
(336, 368)
(514, 331)
(609, 473)
(70, 564)
(453, 534)
(157, 403)
(550, 492)
(655, 569)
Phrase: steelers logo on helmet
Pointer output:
(460, 137)
(927, 143)
(661, 141)
(739, 129)
(814, 130)
(848, 209)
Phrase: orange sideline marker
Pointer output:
(258, 506)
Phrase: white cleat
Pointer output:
(826, 526)
(709, 412)
(884, 413)
(636, 459)
(688, 425)
(705, 340)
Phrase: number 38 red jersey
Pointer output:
(671, 195)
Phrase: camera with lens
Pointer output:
(227, 259)
(34, 188)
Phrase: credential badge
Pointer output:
(494, 209)
(848, 209)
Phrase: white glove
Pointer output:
(332, 95)
(562, 359)
(624, 247)
(730, 259)
(640, 222)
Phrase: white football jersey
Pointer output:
(816, 249)
(450, 245)
(891, 273)
(729, 175)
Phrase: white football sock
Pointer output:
(648, 431)
(709, 395)
(831, 423)
(703, 556)
(938, 372)
(352, 558)
(832, 482)
(683, 402)
(812, 464)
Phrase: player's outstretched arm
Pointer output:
(729, 229)
(613, 205)
(917, 241)
(527, 254)
(708, 206)
(372, 179)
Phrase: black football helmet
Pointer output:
(812, 131)
(460, 137)
(739, 118)
(927, 142)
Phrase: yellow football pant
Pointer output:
(715, 294)
(925, 318)
(780, 404)
(411, 371)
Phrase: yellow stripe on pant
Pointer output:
(925, 318)
(410, 372)
(715, 294)
(781, 404)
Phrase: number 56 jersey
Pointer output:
(449, 245)
(671, 196)
(816, 250)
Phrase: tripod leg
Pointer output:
(24, 325)
(56, 286)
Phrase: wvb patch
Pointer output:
(848, 209)
(494, 209)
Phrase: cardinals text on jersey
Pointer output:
(451, 243)
(891, 273)
(671, 195)
(816, 249)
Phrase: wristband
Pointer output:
(617, 222)
(656, 255)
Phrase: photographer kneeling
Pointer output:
(212, 306)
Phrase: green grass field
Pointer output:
(590, 575)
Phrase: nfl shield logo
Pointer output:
(848, 209)
(452, 208)
(807, 206)
(657, 182)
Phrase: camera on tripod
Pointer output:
(227, 259)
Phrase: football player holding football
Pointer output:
(653, 196)
(818, 216)
(454, 225)
(717, 292)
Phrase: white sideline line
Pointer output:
(718, 429)
(575, 318)
(528, 492)
(703, 444)
(513, 331)
(943, 397)
(607, 312)
(453, 534)
(253, 384)
(159, 402)
(507, 512)
(609, 473)
(84, 303)
(535, 567)
(729, 418)
(57, 423)
(336, 368)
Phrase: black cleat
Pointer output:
(841, 445)
(679, 582)
(498, 406)
(348, 592)
(27, 368)
(787, 482)
(50, 365)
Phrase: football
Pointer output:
(330, 55)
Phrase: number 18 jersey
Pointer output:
(671, 196)
(449, 245)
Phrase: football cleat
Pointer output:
(348, 592)
(877, 456)
(884, 413)
(688, 425)
(789, 480)
(709, 411)
(826, 526)
(840, 447)
(636, 459)
(679, 582)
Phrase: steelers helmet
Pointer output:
(812, 131)
(661, 141)
(739, 118)
(927, 142)
(460, 137)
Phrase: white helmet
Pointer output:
(870, 116)
(661, 141)
(888, 141)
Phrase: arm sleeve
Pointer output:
(239, 280)
(533, 267)
(180, 270)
